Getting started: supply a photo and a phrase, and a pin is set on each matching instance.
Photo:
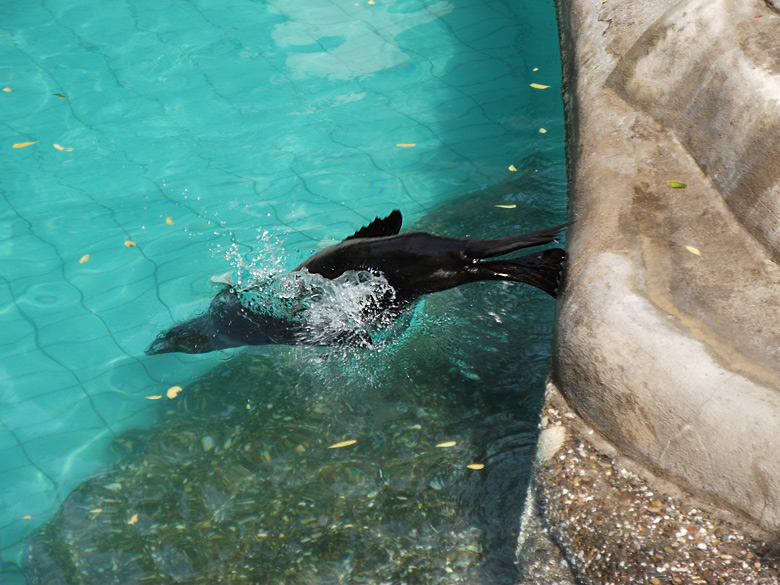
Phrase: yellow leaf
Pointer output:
(446, 444)
(476, 466)
(129, 243)
(173, 391)
(23, 144)
(154, 397)
(536, 69)
(407, 144)
(693, 250)
(542, 131)
(507, 205)
(28, 517)
(58, 147)
(169, 221)
(539, 86)
(513, 168)
(7, 89)
(342, 444)
(676, 184)
(133, 519)
(84, 258)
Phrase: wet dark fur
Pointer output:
(413, 264)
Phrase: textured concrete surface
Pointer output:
(668, 333)
(591, 519)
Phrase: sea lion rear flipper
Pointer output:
(540, 269)
(389, 226)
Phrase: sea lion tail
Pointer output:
(479, 249)
(540, 269)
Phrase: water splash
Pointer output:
(357, 309)
(266, 259)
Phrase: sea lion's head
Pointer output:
(187, 337)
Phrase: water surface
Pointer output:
(194, 130)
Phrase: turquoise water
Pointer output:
(205, 132)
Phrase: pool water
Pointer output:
(150, 146)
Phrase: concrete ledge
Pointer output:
(668, 332)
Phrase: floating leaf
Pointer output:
(23, 144)
(28, 517)
(173, 391)
(59, 95)
(129, 243)
(693, 250)
(446, 444)
(343, 444)
(513, 168)
(84, 258)
(542, 131)
(677, 184)
(154, 397)
(476, 466)
(133, 519)
(536, 69)
(507, 205)
(407, 144)
(539, 86)
(7, 89)
(169, 221)
(58, 147)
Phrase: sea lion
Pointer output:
(406, 266)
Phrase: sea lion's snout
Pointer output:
(189, 337)
(160, 345)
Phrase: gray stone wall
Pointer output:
(668, 331)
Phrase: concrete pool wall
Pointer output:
(668, 328)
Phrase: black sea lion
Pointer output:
(406, 266)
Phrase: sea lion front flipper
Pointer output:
(389, 226)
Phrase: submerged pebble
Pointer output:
(207, 442)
